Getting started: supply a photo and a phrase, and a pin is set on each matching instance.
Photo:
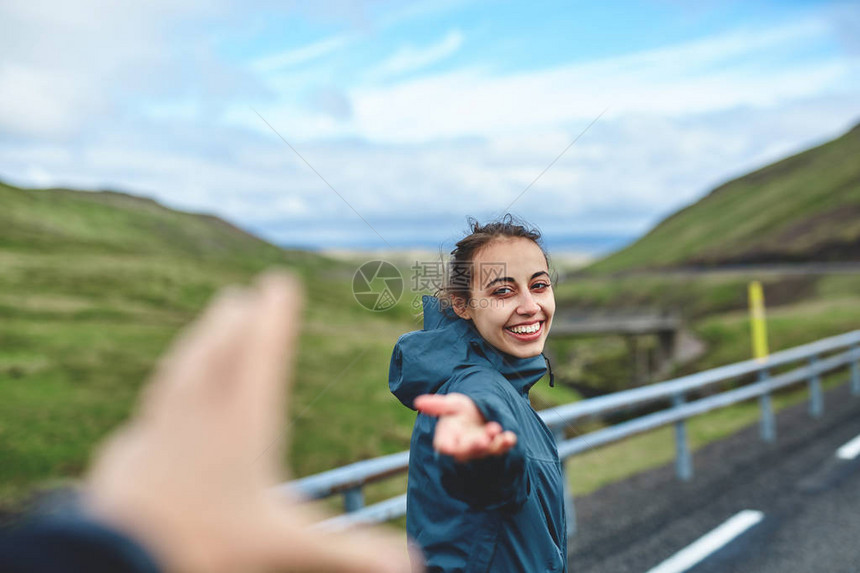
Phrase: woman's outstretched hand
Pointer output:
(462, 432)
(190, 475)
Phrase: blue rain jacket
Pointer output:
(501, 513)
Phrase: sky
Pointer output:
(377, 124)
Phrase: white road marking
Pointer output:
(850, 450)
(709, 543)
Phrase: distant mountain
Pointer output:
(805, 208)
(110, 222)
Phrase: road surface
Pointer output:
(788, 507)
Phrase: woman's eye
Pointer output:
(503, 290)
(541, 285)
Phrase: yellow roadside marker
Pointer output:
(757, 321)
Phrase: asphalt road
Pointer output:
(808, 498)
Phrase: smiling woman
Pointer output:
(485, 482)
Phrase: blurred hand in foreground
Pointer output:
(462, 432)
(190, 475)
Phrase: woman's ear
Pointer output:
(461, 307)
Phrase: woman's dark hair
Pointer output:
(458, 275)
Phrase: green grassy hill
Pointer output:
(93, 286)
(108, 222)
(803, 208)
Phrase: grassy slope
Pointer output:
(94, 285)
(803, 208)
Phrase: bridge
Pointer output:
(568, 323)
(667, 327)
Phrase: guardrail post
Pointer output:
(683, 461)
(767, 429)
(816, 400)
(569, 509)
(855, 371)
(353, 499)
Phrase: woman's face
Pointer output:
(512, 300)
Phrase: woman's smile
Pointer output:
(530, 331)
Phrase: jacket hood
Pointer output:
(424, 360)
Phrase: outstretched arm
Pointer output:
(462, 432)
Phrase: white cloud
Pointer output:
(729, 70)
(733, 69)
(719, 73)
(300, 55)
(619, 179)
(44, 102)
(409, 58)
(69, 65)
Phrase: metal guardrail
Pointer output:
(349, 480)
